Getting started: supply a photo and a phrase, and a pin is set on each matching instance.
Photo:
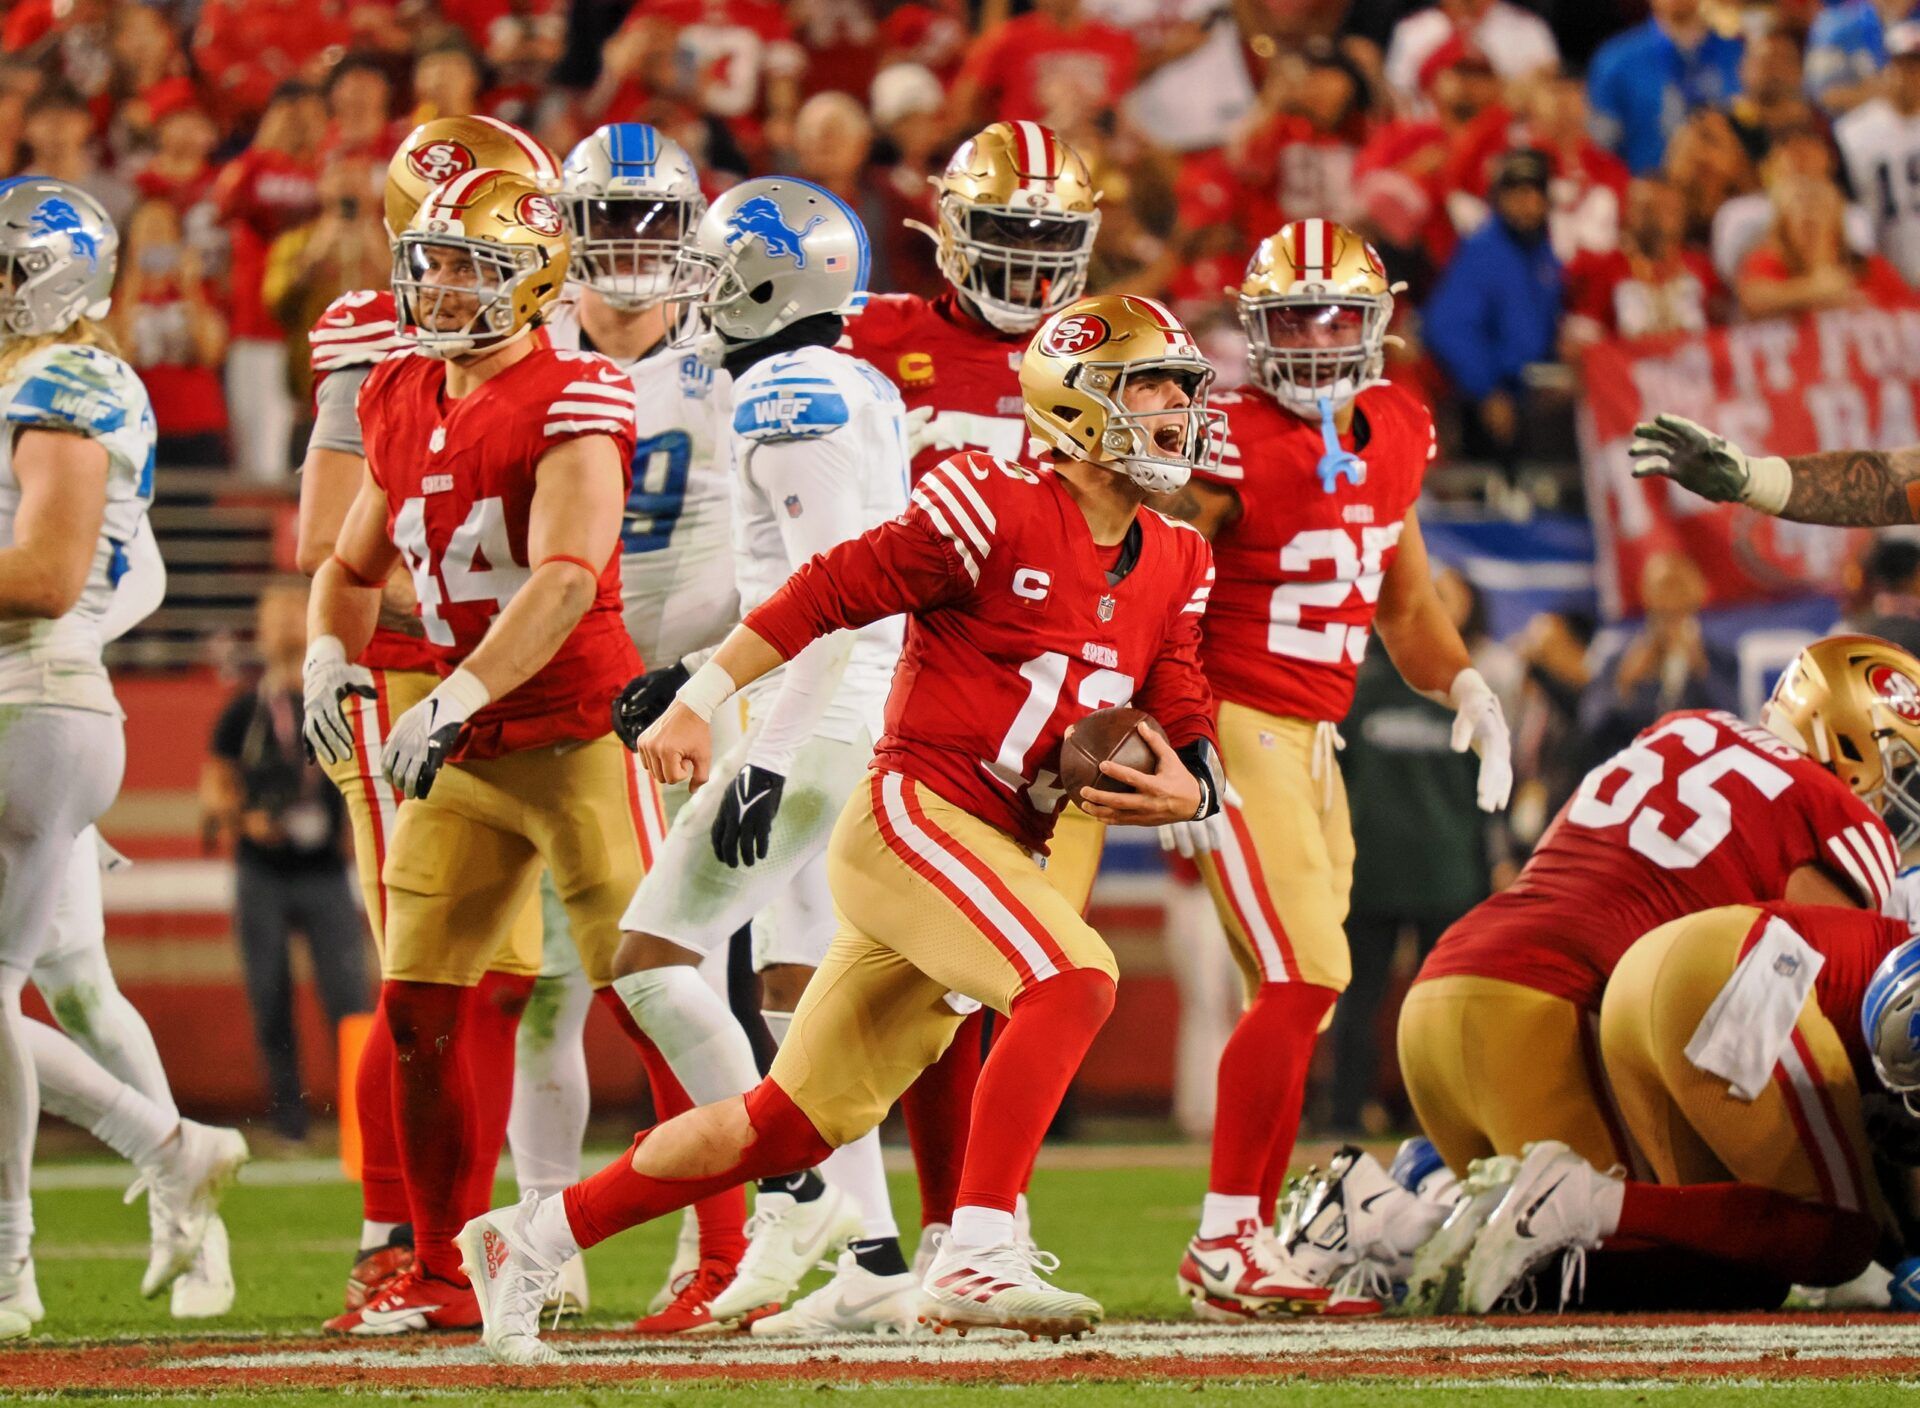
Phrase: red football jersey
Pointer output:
(459, 479)
(1014, 632)
(1853, 941)
(941, 356)
(1300, 569)
(1701, 810)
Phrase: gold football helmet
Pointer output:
(484, 256)
(435, 152)
(1853, 704)
(1315, 304)
(1075, 375)
(1016, 224)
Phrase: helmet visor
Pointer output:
(626, 249)
(1023, 262)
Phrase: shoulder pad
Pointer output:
(358, 328)
(590, 393)
(81, 389)
(789, 398)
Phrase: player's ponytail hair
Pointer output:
(81, 332)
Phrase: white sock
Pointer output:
(1607, 1200)
(694, 1029)
(550, 1234)
(80, 1091)
(980, 1227)
(550, 1096)
(375, 1235)
(1220, 1213)
(19, 1119)
(857, 1170)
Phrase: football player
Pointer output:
(496, 469)
(817, 440)
(76, 477)
(1016, 219)
(357, 332)
(1498, 1040)
(1311, 512)
(1737, 1041)
(632, 199)
(1033, 598)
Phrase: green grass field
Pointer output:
(1118, 1231)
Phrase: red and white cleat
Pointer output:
(1243, 1276)
(373, 1271)
(411, 1303)
(690, 1312)
(1001, 1287)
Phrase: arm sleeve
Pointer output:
(141, 588)
(336, 416)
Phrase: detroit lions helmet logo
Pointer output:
(55, 216)
(762, 216)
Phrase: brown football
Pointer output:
(1102, 735)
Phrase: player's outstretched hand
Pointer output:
(1673, 447)
(644, 700)
(1479, 724)
(745, 824)
(326, 681)
(1167, 794)
(678, 747)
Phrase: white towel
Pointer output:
(1741, 1037)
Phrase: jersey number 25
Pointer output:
(1355, 566)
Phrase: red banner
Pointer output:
(1846, 378)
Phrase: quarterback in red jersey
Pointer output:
(1033, 597)
(1017, 216)
(1311, 512)
(358, 331)
(497, 469)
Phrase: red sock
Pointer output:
(488, 1026)
(1755, 1228)
(938, 1108)
(433, 1107)
(1022, 1083)
(722, 1216)
(1262, 1080)
(383, 1192)
(616, 1198)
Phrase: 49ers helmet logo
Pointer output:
(1897, 690)
(539, 214)
(1072, 336)
(435, 162)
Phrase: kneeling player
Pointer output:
(1033, 599)
(1734, 1041)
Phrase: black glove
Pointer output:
(645, 699)
(745, 822)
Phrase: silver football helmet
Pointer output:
(632, 198)
(1890, 1022)
(58, 252)
(770, 252)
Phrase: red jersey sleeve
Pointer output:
(1847, 839)
(1175, 691)
(593, 397)
(358, 329)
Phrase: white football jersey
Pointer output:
(1882, 152)
(676, 563)
(85, 391)
(820, 456)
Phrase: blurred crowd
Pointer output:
(1541, 175)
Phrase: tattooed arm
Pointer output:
(1200, 503)
(1846, 488)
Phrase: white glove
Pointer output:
(1194, 839)
(328, 679)
(423, 736)
(1479, 724)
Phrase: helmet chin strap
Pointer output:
(1336, 461)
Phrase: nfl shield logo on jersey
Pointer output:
(794, 506)
(1105, 609)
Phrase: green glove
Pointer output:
(1673, 447)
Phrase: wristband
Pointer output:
(354, 576)
(1769, 484)
(579, 562)
(710, 687)
(326, 650)
(463, 687)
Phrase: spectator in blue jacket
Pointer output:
(1497, 305)
(1644, 82)
(1847, 48)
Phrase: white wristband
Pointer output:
(464, 689)
(1769, 483)
(710, 687)
(326, 650)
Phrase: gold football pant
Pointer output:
(1491, 1066)
(931, 900)
(1803, 1136)
(1073, 858)
(466, 859)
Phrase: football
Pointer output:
(1105, 734)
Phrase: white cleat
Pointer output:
(205, 1290)
(786, 1240)
(510, 1283)
(184, 1187)
(1001, 1287)
(686, 1261)
(569, 1294)
(1556, 1202)
(20, 1294)
(854, 1302)
(1434, 1286)
(932, 1236)
(14, 1325)
(1350, 1235)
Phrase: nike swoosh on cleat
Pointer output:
(1523, 1225)
(1366, 1204)
(382, 1318)
(848, 1310)
(1218, 1273)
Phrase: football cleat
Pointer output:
(1002, 1287)
(785, 1240)
(1353, 1230)
(690, 1312)
(510, 1283)
(183, 1187)
(686, 1261)
(569, 1293)
(855, 1302)
(20, 1293)
(410, 1303)
(14, 1325)
(205, 1290)
(931, 1236)
(1554, 1204)
(373, 1270)
(1242, 1276)
(1433, 1288)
